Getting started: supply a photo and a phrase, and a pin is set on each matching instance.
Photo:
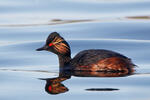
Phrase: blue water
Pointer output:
(118, 25)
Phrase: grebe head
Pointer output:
(56, 44)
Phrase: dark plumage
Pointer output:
(88, 60)
(87, 57)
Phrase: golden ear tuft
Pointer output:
(57, 40)
(62, 48)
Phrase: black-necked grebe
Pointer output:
(88, 60)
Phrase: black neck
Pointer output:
(64, 61)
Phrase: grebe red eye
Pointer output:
(51, 44)
(50, 88)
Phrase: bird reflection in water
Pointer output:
(55, 86)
